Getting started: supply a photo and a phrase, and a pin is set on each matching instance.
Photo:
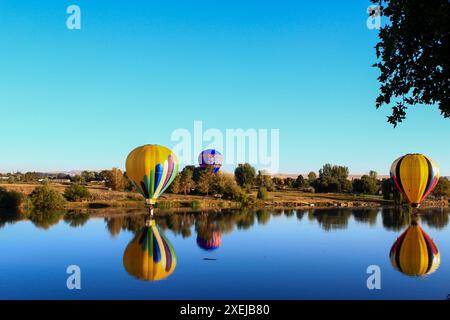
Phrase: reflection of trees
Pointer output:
(245, 219)
(132, 223)
(206, 226)
(435, 218)
(396, 219)
(178, 223)
(365, 215)
(277, 212)
(76, 219)
(333, 218)
(262, 216)
(300, 214)
(9, 217)
(114, 225)
(289, 213)
(226, 221)
(45, 219)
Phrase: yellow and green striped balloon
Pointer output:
(150, 256)
(415, 176)
(151, 169)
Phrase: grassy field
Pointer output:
(101, 197)
(292, 198)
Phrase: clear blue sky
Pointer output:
(137, 70)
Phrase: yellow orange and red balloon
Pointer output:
(415, 176)
(414, 253)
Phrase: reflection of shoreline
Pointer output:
(228, 220)
(319, 201)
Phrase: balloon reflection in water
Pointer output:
(150, 256)
(414, 253)
(210, 243)
(209, 237)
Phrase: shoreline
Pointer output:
(208, 204)
(103, 198)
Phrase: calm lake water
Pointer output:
(290, 254)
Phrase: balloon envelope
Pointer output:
(211, 159)
(415, 176)
(150, 256)
(414, 253)
(151, 169)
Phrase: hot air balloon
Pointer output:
(151, 169)
(414, 253)
(211, 242)
(415, 176)
(210, 159)
(150, 256)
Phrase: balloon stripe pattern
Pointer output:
(151, 169)
(210, 158)
(415, 176)
(210, 244)
(414, 253)
(150, 256)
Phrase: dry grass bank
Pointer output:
(101, 197)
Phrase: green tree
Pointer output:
(300, 182)
(263, 179)
(127, 184)
(312, 177)
(186, 179)
(262, 193)
(88, 176)
(442, 188)
(30, 177)
(226, 185)
(205, 181)
(278, 182)
(368, 184)
(289, 182)
(115, 179)
(175, 185)
(245, 175)
(386, 189)
(76, 192)
(102, 175)
(10, 199)
(332, 178)
(63, 176)
(413, 56)
(46, 198)
(390, 191)
(78, 179)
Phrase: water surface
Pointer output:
(274, 254)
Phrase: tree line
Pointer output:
(330, 179)
(239, 186)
